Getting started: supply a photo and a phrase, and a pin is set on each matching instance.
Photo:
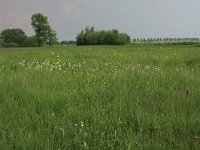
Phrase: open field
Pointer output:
(101, 97)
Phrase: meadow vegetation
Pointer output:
(100, 97)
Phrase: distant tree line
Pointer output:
(68, 42)
(44, 34)
(110, 37)
(164, 39)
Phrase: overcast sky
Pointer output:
(138, 18)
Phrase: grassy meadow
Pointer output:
(100, 97)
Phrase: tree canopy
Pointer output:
(13, 38)
(44, 32)
(111, 37)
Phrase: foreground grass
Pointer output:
(104, 97)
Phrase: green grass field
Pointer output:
(101, 97)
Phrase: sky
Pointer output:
(138, 18)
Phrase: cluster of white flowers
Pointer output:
(60, 65)
(37, 65)
(137, 68)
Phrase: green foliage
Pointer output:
(111, 37)
(10, 44)
(13, 38)
(44, 32)
(166, 41)
(52, 38)
(1, 42)
(70, 42)
(31, 41)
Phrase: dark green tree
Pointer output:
(1, 42)
(111, 37)
(70, 42)
(43, 31)
(52, 38)
(13, 38)
(81, 39)
(31, 41)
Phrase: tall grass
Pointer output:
(104, 97)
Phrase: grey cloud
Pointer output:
(139, 18)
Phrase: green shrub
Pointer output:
(31, 41)
(13, 38)
(111, 37)
(11, 44)
(1, 42)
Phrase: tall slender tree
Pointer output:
(44, 32)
